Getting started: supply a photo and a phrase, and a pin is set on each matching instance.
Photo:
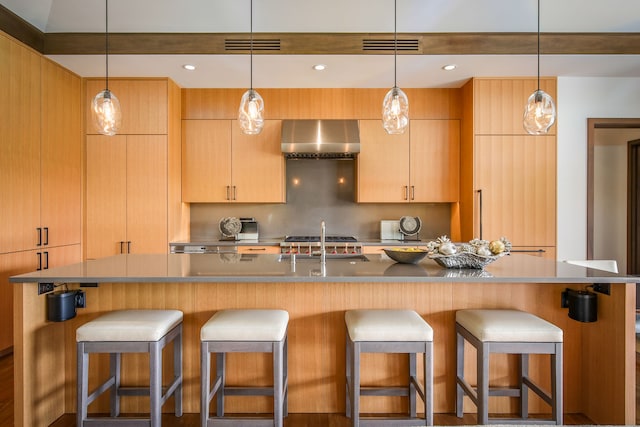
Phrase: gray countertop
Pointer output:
(514, 268)
(276, 242)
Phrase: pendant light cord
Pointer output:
(538, 45)
(395, 43)
(106, 41)
(251, 47)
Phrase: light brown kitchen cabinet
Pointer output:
(143, 103)
(40, 159)
(516, 183)
(435, 160)
(223, 165)
(508, 178)
(420, 166)
(259, 249)
(19, 146)
(499, 103)
(126, 194)
(61, 156)
(133, 178)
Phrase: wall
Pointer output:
(580, 98)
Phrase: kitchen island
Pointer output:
(599, 357)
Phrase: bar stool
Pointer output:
(389, 331)
(511, 332)
(247, 330)
(130, 331)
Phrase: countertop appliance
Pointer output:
(310, 245)
(248, 230)
(390, 230)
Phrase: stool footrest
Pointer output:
(513, 421)
(385, 391)
(119, 422)
(248, 391)
(239, 422)
(390, 422)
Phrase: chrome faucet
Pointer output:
(323, 249)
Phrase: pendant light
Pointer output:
(105, 108)
(395, 107)
(540, 111)
(251, 111)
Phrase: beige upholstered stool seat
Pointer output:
(130, 325)
(130, 331)
(389, 331)
(387, 325)
(508, 326)
(509, 332)
(246, 325)
(245, 330)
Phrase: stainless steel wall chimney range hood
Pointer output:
(323, 139)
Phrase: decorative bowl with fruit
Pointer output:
(475, 254)
(406, 255)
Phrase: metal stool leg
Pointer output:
(205, 384)
(524, 389)
(459, 374)
(483, 383)
(177, 372)
(556, 384)
(428, 383)
(278, 383)
(83, 384)
(412, 387)
(155, 384)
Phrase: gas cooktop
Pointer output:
(330, 239)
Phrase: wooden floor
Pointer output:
(293, 420)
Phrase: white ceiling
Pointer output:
(326, 16)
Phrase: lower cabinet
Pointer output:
(259, 249)
(14, 263)
(126, 195)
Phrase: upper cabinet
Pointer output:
(498, 104)
(220, 164)
(419, 166)
(144, 104)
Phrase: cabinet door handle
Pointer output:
(235, 193)
(228, 192)
(413, 192)
(46, 236)
(46, 260)
(121, 247)
(406, 192)
(480, 211)
(129, 246)
(39, 255)
(39, 230)
(257, 249)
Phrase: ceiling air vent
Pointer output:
(406, 45)
(245, 45)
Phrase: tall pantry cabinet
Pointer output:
(508, 177)
(41, 168)
(133, 178)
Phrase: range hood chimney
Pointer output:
(324, 139)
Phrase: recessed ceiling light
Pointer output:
(450, 67)
(319, 67)
(189, 67)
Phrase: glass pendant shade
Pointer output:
(395, 111)
(251, 113)
(539, 113)
(106, 113)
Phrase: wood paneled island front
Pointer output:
(599, 357)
